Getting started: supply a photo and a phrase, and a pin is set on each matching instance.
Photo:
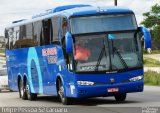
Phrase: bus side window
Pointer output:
(26, 37)
(47, 31)
(29, 31)
(6, 39)
(56, 23)
(11, 36)
(16, 37)
(22, 34)
(64, 26)
(37, 28)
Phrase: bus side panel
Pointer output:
(55, 69)
(41, 70)
(48, 69)
(54, 66)
(11, 67)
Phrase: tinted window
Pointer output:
(15, 37)
(38, 32)
(56, 23)
(22, 32)
(11, 36)
(6, 39)
(29, 31)
(47, 31)
(103, 23)
(64, 26)
(26, 37)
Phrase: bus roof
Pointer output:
(72, 10)
(96, 10)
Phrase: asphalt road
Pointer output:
(134, 103)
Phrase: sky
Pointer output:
(11, 10)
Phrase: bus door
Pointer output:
(51, 30)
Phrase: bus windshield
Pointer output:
(103, 23)
(107, 52)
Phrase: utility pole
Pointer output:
(115, 2)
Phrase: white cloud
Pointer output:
(11, 10)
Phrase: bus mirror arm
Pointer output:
(147, 37)
(69, 43)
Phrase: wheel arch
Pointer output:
(25, 79)
(59, 77)
(19, 77)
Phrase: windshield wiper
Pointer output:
(120, 57)
(100, 56)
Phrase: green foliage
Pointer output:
(152, 21)
(152, 78)
(156, 33)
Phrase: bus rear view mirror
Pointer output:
(147, 37)
(69, 43)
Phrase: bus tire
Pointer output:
(30, 96)
(120, 97)
(22, 92)
(20, 96)
(65, 100)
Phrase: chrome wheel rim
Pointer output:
(61, 92)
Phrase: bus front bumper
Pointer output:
(108, 90)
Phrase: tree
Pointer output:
(152, 21)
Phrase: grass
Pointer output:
(153, 52)
(149, 62)
(151, 78)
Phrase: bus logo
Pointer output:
(112, 80)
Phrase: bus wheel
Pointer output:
(65, 100)
(30, 96)
(19, 89)
(22, 92)
(120, 97)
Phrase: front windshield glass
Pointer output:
(125, 50)
(107, 52)
(103, 23)
(91, 53)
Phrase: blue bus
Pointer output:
(76, 51)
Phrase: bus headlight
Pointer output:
(136, 78)
(87, 83)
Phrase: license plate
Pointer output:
(110, 90)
